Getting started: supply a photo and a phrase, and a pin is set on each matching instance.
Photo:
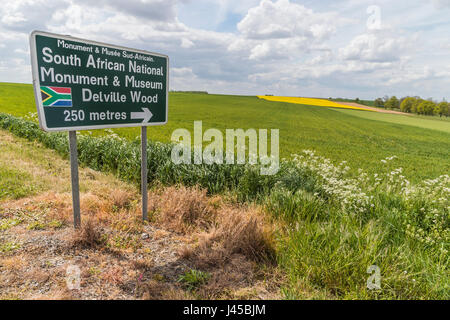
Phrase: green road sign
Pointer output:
(81, 84)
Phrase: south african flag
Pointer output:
(56, 97)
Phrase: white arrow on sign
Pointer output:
(146, 115)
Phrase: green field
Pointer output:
(360, 138)
(425, 122)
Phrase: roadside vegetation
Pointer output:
(330, 221)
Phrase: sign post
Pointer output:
(74, 176)
(144, 173)
(82, 85)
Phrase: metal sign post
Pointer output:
(144, 173)
(82, 84)
(74, 177)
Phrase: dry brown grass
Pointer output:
(228, 241)
(245, 232)
(226, 230)
(120, 198)
(182, 209)
(177, 294)
(237, 273)
(61, 294)
(152, 290)
(237, 232)
(157, 290)
(114, 275)
(126, 220)
(11, 263)
(89, 235)
(117, 210)
(232, 250)
(52, 206)
(38, 275)
(93, 205)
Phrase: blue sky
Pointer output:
(340, 48)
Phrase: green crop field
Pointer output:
(422, 146)
(426, 122)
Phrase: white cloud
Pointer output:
(376, 46)
(284, 30)
(180, 72)
(283, 19)
(155, 10)
(23, 15)
(186, 43)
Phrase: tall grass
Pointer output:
(346, 221)
(337, 221)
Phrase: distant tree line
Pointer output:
(184, 91)
(414, 105)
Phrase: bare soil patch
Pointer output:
(353, 104)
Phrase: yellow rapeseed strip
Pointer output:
(310, 101)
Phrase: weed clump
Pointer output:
(120, 199)
(236, 232)
(89, 235)
(182, 209)
(8, 246)
(192, 279)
